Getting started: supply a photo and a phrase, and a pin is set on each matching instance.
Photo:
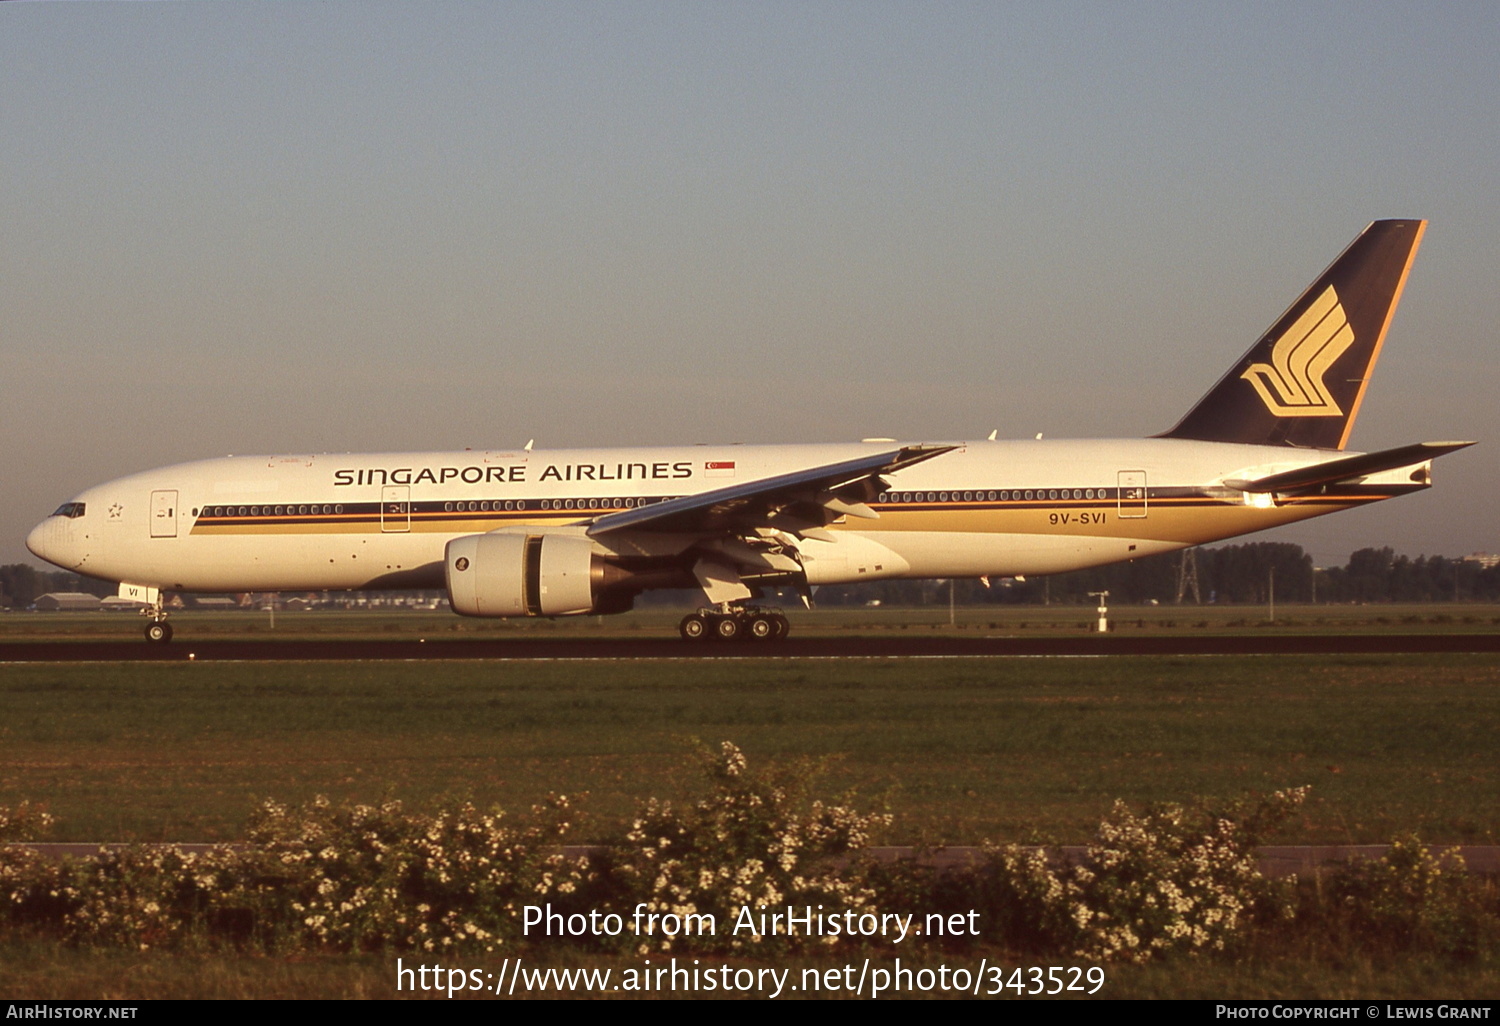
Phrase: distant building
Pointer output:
(67, 602)
(1484, 559)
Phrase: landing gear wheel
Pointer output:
(734, 623)
(158, 632)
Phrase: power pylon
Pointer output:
(1187, 576)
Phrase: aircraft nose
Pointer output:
(49, 540)
(40, 540)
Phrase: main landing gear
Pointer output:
(734, 623)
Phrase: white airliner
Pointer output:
(534, 533)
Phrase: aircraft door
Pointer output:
(395, 508)
(164, 514)
(1132, 503)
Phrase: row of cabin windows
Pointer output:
(520, 504)
(598, 503)
(485, 507)
(279, 511)
(75, 509)
(68, 510)
(1001, 496)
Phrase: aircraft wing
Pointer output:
(1349, 467)
(800, 503)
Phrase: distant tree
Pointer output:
(18, 585)
(1368, 574)
(1484, 582)
(1242, 573)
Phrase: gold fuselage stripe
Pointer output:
(1185, 519)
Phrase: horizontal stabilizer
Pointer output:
(1348, 468)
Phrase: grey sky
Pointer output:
(328, 227)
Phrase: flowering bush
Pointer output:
(347, 877)
(32, 887)
(756, 841)
(1412, 899)
(25, 822)
(373, 876)
(140, 896)
(1147, 884)
(149, 896)
(364, 877)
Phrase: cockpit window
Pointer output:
(71, 510)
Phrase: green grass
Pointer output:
(958, 749)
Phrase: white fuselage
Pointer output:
(1003, 508)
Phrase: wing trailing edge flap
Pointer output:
(720, 582)
(749, 531)
(1349, 468)
(741, 554)
(801, 503)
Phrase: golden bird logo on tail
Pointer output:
(1299, 360)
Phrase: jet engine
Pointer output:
(523, 575)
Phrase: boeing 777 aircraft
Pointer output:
(523, 533)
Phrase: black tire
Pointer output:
(727, 628)
(158, 632)
(783, 626)
(761, 628)
(693, 627)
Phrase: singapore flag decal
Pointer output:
(718, 468)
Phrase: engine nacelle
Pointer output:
(522, 575)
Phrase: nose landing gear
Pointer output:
(157, 631)
(734, 623)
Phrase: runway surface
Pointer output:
(879, 646)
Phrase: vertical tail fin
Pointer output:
(1303, 382)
